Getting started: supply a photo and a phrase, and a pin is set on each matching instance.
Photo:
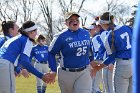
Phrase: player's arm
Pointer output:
(24, 61)
(54, 48)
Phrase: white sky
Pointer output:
(93, 6)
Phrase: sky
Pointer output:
(94, 6)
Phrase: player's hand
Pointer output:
(46, 78)
(94, 64)
(95, 69)
(52, 76)
(17, 75)
(25, 73)
(110, 67)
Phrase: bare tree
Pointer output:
(18, 10)
(119, 9)
(7, 11)
(46, 8)
(66, 7)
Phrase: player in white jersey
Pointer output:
(10, 29)
(94, 29)
(118, 47)
(17, 50)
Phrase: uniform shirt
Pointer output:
(40, 53)
(96, 40)
(102, 50)
(74, 47)
(3, 39)
(17, 50)
(122, 44)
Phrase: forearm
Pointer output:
(52, 62)
(27, 65)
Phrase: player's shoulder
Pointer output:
(123, 28)
(1, 37)
(45, 45)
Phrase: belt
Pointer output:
(125, 58)
(42, 62)
(74, 69)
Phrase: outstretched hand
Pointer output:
(25, 73)
(96, 68)
(49, 78)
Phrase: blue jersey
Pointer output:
(96, 45)
(74, 47)
(136, 53)
(122, 44)
(3, 39)
(17, 50)
(102, 50)
(40, 53)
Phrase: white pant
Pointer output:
(75, 82)
(108, 80)
(123, 76)
(43, 68)
(97, 80)
(7, 77)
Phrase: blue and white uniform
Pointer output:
(40, 54)
(3, 39)
(122, 56)
(16, 48)
(74, 73)
(107, 74)
(98, 79)
(136, 52)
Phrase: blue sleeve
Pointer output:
(1, 41)
(91, 52)
(24, 61)
(52, 62)
(109, 59)
(17, 69)
(56, 44)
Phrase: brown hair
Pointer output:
(108, 17)
(40, 37)
(25, 25)
(6, 26)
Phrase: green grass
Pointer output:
(24, 85)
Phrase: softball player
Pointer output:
(10, 29)
(40, 53)
(95, 38)
(74, 45)
(17, 48)
(108, 71)
(136, 53)
(118, 47)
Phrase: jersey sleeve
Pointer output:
(24, 61)
(56, 44)
(27, 47)
(110, 54)
(54, 48)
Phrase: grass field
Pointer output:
(24, 85)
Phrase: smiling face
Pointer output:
(73, 22)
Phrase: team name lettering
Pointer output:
(40, 52)
(79, 43)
